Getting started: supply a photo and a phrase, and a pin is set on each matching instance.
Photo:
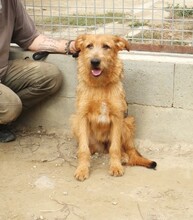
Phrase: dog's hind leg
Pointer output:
(96, 146)
(130, 156)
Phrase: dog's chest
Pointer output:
(103, 116)
(99, 112)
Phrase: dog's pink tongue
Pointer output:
(96, 72)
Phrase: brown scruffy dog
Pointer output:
(100, 123)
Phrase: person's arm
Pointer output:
(44, 43)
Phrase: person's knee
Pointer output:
(55, 78)
(10, 106)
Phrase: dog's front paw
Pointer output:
(116, 170)
(81, 173)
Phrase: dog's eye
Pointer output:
(105, 46)
(89, 46)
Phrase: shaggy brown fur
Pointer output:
(99, 123)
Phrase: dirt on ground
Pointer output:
(37, 182)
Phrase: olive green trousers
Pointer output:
(25, 84)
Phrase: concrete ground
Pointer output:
(37, 182)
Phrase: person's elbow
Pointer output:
(35, 45)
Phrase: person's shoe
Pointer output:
(6, 135)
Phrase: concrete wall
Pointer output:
(159, 89)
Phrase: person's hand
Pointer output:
(72, 47)
(73, 50)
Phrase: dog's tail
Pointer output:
(130, 156)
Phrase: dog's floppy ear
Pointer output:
(79, 41)
(122, 43)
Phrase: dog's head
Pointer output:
(98, 53)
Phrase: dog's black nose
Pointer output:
(95, 62)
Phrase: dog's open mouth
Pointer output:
(96, 72)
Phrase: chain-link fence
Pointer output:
(143, 22)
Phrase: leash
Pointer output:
(40, 55)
